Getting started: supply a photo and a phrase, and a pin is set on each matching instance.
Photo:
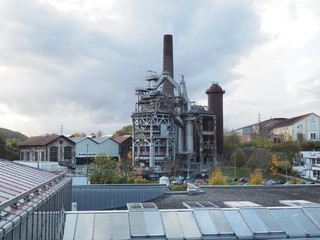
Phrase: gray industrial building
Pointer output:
(171, 134)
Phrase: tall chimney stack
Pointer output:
(168, 63)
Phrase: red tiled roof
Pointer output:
(39, 141)
(120, 139)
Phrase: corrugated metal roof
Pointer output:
(23, 187)
(17, 179)
(196, 224)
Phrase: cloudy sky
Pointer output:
(76, 63)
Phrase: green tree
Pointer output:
(3, 152)
(103, 170)
(284, 167)
(217, 178)
(253, 161)
(126, 130)
(239, 157)
(231, 140)
(255, 178)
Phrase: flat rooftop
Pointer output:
(265, 196)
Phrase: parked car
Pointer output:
(272, 182)
(201, 182)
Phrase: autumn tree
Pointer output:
(127, 170)
(274, 165)
(217, 178)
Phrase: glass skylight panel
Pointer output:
(189, 225)
(287, 223)
(154, 223)
(70, 224)
(253, 221)
(268, 220)
(307, 226)
(172, 225)
(113, 226)
(84, 227)
(205, 224)
(137, 224)
(120, 225)
(220, 221)
(237, 223)
(314, 214)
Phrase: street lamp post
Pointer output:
(87, 164)
(235, 168)
(286, 169)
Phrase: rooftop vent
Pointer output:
(199, 205)
(141, 206)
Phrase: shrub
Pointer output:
(255, 178)
(140, 179)
(217, 178)
(182, 187)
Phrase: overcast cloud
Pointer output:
(77, 62)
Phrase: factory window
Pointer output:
(41, 156)
(67, 152)
(53, 154)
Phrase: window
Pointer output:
(41, 156)
(36, 156)
(300, 137)
(313, 136)
(28, 156)
(67, 152)
(53, 154)
(22, 156)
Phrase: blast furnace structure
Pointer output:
(171, 134)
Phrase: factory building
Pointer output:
(170, 133)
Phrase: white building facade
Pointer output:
(301, 128)
(311, 165)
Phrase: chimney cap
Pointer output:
(215, 88)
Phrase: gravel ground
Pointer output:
(267, 196)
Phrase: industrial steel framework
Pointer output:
(170, 133)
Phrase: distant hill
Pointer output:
(12, 134)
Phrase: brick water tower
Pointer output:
(215, 104)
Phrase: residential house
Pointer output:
(305, 127)
(311, 165)
(263, 129)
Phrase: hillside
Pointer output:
(12, 134)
